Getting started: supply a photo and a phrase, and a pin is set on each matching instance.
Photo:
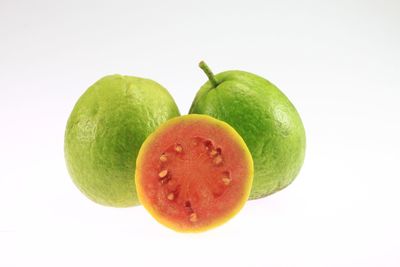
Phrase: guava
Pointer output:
(194, 173)
(265, 118)
(104, 133)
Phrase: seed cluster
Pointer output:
(165, 177)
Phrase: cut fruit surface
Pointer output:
(194, 173)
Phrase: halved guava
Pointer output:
(194, 173)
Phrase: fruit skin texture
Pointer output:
(104, 133)
(267, 121)
(153, 141)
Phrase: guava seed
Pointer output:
(213, 152)
(178, 148)
(226, 180)
(193, 217)
(217, 160)
(163, 173)
(171, 196)
(163, 158)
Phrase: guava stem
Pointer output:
(209, 73)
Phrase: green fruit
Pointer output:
(264, 117)
(104, 133)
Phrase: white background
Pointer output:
(338, 61)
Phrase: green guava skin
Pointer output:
(104, 133)
(267, 121)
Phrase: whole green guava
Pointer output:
(105, 131)
(264, 117)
